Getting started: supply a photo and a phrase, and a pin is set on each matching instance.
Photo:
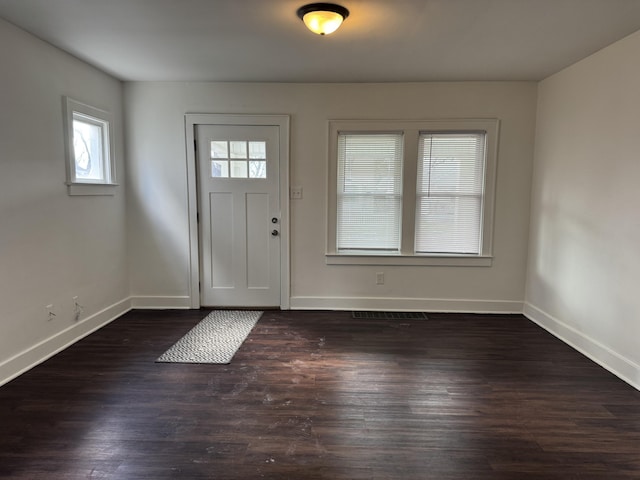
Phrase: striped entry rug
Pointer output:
(215, 339)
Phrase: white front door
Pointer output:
(239, 215)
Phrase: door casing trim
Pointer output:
(281, 121)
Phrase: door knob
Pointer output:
(274, 233)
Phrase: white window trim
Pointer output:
(412, 129)
(75, 187)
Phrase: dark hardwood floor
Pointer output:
(319, 395)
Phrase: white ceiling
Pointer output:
(381, 41)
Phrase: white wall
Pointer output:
(584, 258)
(158, 223)
(52, 246)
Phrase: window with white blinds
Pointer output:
(369, 192)
(414, 192)
(449, 192)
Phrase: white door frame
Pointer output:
(282, 121)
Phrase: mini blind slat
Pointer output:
(449, 193)
(369, 191)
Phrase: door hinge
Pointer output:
(197, 217)
(195, 144)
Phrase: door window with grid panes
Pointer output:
(238, 159)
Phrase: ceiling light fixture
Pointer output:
(323, 18)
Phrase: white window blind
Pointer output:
(450, 193)
(369, 192)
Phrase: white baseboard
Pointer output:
(406, 304)
(20, 363)
(617, 364)
(620, 366)
(161, 303)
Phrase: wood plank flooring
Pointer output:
(320, 395)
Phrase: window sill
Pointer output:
(91, 188)
(418, 260)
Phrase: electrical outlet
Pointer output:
(51, 314)
(380, 278)
(296, 193)
(77, 309)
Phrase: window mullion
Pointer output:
(409, 171)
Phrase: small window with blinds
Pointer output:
(449, 193)
(369, 199)
(414, 192)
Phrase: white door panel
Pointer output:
(239, 198)
(220, 258)
(258, 222)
